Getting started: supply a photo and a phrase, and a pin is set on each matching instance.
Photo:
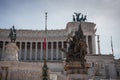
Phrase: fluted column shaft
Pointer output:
(36, 49)
(25, 51)
(20, 51)
(41, 51)
(57, 50)
(31, 51)
(93, 44)
(51, 50)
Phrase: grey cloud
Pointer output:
(29, 14)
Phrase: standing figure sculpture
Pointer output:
(12, 34)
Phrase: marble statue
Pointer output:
(12, 34)
(77, 47)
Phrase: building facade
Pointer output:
(30, 44)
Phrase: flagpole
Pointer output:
(45, 39)
(45, 75)
(98, 41)
(112, 46)
(46, 22)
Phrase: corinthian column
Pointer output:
(30, 51)
(62, 52)
(25, 51)
(36, 51)
(20, 52)
(41, 51)
(93, 44)
(57, 50)
(51, 50)
(87, 44)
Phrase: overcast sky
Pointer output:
(30, 14)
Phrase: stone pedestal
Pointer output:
(11, 52)
(77, 77)
(75, 71)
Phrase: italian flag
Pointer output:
(44, 43)
(45, 37)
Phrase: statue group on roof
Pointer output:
(78, 17)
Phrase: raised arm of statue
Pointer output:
(81, 19)
(77, 16)
(73, 18)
